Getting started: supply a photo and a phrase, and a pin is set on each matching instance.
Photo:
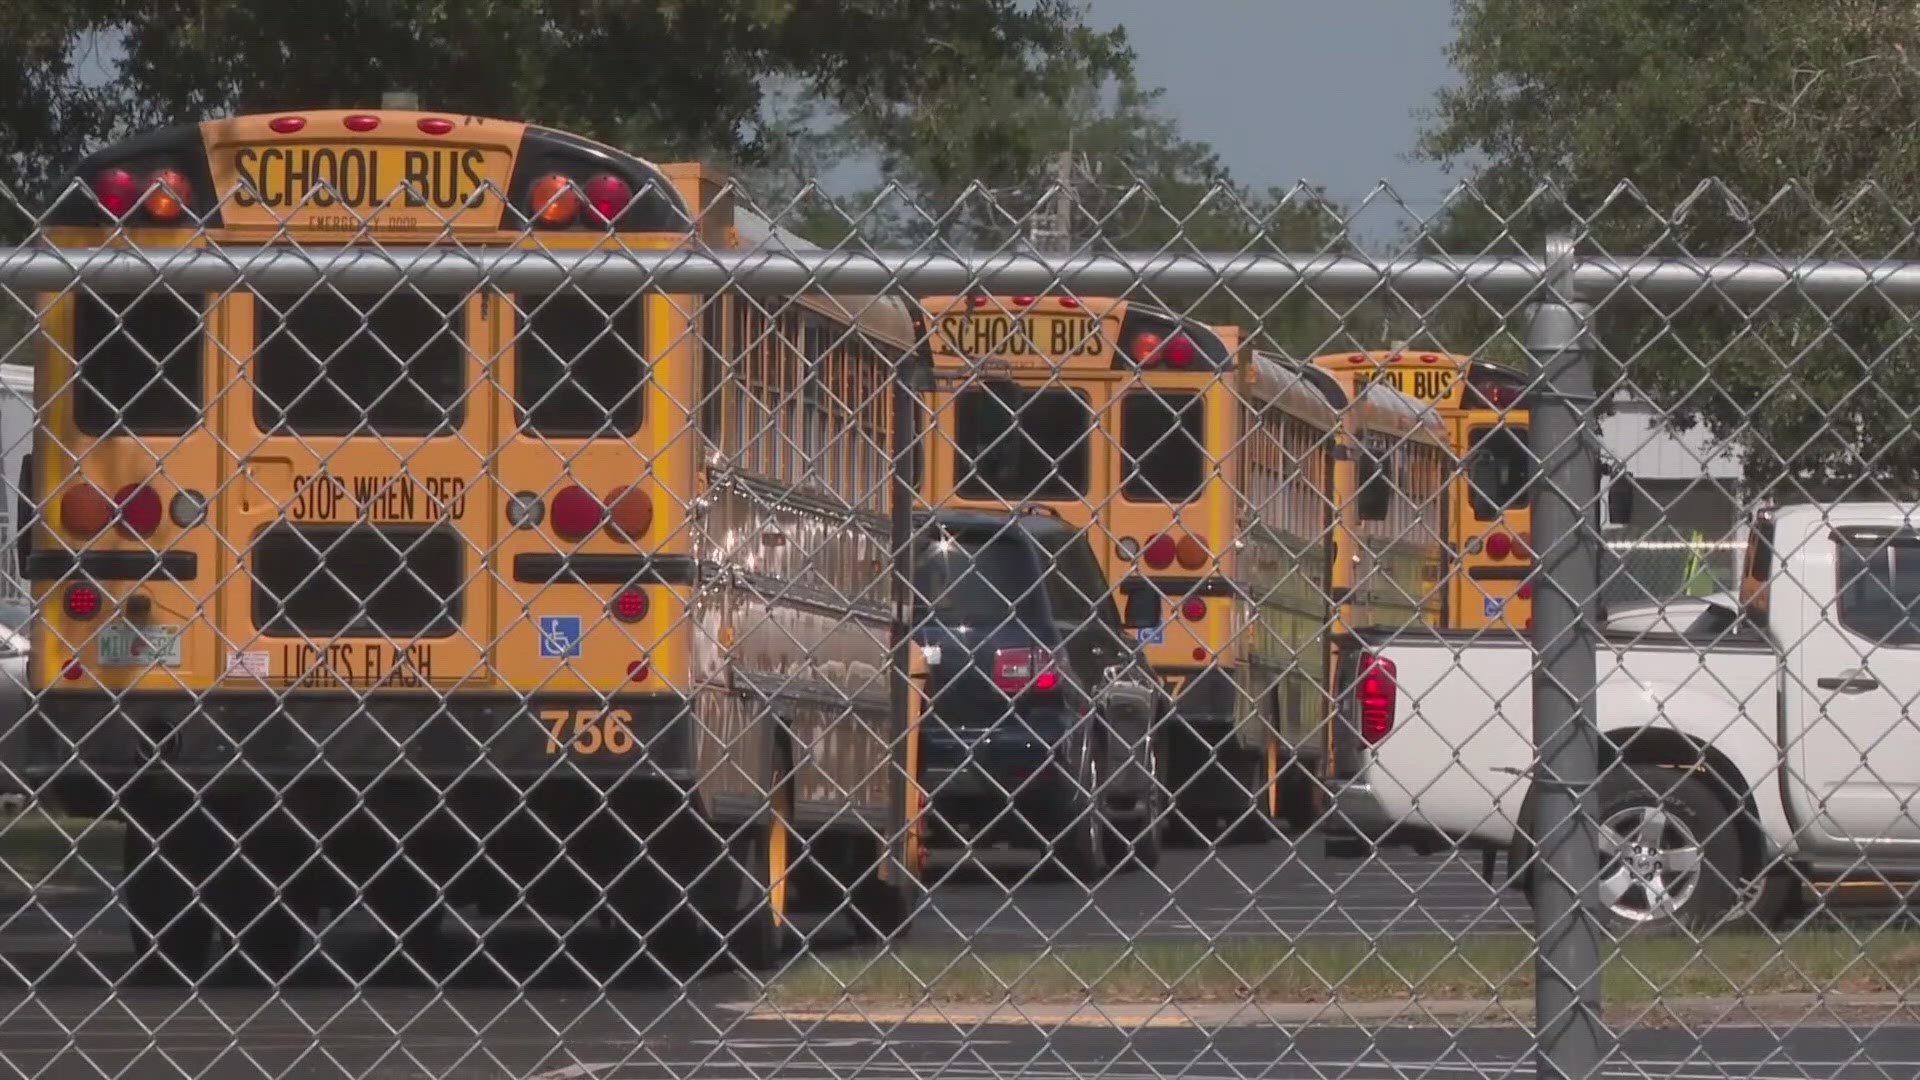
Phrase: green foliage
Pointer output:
(1709, 127)
(679, 77)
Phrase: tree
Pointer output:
(1710, 127)
(680, 77)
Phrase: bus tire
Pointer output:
(757, 929)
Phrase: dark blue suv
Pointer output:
(1042, 728)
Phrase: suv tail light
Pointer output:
(1017, 670)
(1378, 694)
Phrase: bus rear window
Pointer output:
(581, 366)
(139, 361)
(1499, 471)
(328, 364)
(1014, 446)
(1162, 439)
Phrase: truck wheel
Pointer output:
(1669, 854)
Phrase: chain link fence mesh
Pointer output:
(563, 654)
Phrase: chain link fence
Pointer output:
(556, 655)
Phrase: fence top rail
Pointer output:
(786, 271)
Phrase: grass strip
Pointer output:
(1639, 969)
(40, 850)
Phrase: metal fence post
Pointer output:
(1568, 1026)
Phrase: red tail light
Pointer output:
(81, 602)
(1499, 546)
(1161, 552)
(1524, 592)
(575, 513)
(1192, 552)
(139, 509)
(1015, 670)
(1194, 609)
(1378, 694)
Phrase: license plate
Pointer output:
(127, 645)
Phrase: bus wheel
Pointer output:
(882, 909)
(763, 864)
(172, 935)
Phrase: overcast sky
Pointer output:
(1288, 90)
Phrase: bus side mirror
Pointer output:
(1142, 609)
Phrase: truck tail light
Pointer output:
(1378, 695)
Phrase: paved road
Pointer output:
(526, 1008)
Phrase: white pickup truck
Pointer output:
(1739, 756)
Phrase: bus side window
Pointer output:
(23, 517)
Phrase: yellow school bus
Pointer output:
(575, 602)
(1490, 511)
(1226, 510)
(1119, 419)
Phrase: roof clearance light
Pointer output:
(361, 122)
(435, 125)
(286, 125)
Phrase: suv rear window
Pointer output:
(1036, 452)
(1162, 440)
(974, 581)
(332, 364)
(139, 359)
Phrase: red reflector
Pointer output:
(117, 191)
(72, 671)
(1194, 609)
(636, 671)
(435, 125)
(575, 513)
(1161, 552)
(1199, 656)
(1525, 592)
(287, 125)
(630, 605)
(1499, 546)
(82, 601)
(361, 122)
(139, 509)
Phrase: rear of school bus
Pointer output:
(1017, 388)
(406, 570)
(1176, 422)
(1489, 509)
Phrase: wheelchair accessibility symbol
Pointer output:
(1492, 606)
(559, 636)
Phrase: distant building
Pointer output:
(1689, 482)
